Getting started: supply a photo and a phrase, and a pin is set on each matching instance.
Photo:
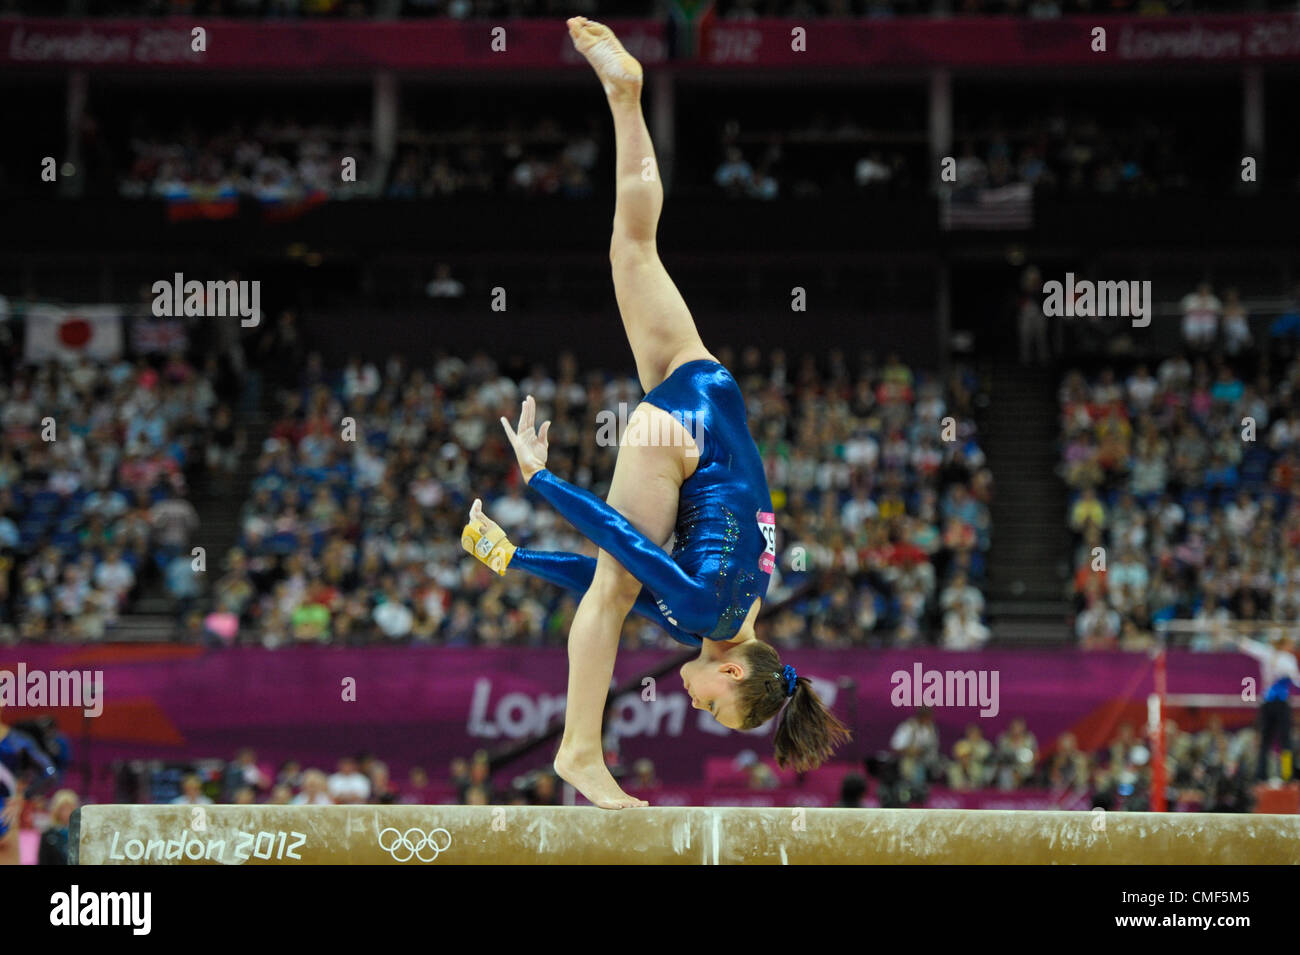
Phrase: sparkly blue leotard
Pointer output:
(725, 544)
(12, 747)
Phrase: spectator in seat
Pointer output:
(1098, 626)
(191, 793)
(962, 630)
(1201, 310)
(443, 285)
(916, 743)
(54, 840)
(349, 785)
(964, 773)
(1087, 510)
(1016, 752)
(244, 771)
(1069, 766)
(315, 790)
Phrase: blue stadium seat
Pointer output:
(66, 541)
(45, 504)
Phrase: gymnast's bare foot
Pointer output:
(588, 774)
(618, 70)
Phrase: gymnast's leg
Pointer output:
(659, 326)
(644, 490)
(574, 572)
(642, 505)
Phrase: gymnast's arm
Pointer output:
(1252, 648)
(11, 809)
(603, 525)
(46, 772)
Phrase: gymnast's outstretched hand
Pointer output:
(530, 446)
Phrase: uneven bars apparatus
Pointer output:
(504, 835)
(1161, 699)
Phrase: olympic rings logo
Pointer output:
(414, 843)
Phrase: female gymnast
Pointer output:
(15, 748)
(698, 476)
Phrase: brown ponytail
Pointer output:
(807, 733)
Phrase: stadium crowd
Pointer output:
(270, 160)
(1055, 151)
(273, 164)
(1210, 769)
(1187, 473)
(96, 461)
(273, 161)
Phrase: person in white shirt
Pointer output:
(1278, 676)
(349, 785)
(1201, 312)
(916, 743)
(115, 576)
(315, 787)
(443, 285)
(1285, 432)
(1142, 388)
(1098, 626)
(858, 510)
(393, 617)
(962, 630)
(1241, 514)
(514, 509)
(191, 793)
(360, 379)
(960, 593)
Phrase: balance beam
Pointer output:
(495, 835)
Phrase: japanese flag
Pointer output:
(68, 334)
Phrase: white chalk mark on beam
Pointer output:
(541, 826)
(682, 837)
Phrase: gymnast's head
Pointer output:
(744, 685)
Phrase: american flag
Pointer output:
(1006, 207)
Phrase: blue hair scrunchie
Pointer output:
(791, 679)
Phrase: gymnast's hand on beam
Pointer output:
(530, 446)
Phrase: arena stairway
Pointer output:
(218, 501)
(1028, 565)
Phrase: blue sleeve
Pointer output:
(46, 770)
(640, 556)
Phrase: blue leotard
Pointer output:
(12, 747)
(725, 546)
